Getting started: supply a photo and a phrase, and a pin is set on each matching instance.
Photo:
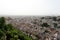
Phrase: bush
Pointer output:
(8, 32)
(44, 25)
(54, 18)
(55, 25)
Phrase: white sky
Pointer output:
(30, 7)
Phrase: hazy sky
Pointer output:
(26, 7)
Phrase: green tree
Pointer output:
(54, 18)
(55, 25)
(9, 32)
(45, 25)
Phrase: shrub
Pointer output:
(9, 32)
(44, 25)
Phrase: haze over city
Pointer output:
(29, 7)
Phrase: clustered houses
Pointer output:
(42, 28)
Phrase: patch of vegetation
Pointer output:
(45, 25)
(42, 17)
(58, 26)
(55, 25)
(54, 18)
(8, 32)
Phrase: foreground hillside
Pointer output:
(9, 32)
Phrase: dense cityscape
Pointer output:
(39, 28)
